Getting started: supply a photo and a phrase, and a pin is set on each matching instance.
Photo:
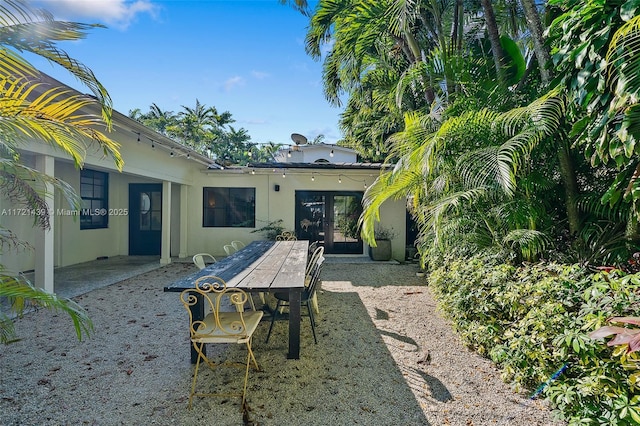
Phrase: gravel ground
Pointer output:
(384, 356)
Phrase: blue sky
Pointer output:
(245, 57)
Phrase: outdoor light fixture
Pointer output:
(284, 174)
(289, 154)
(331, 153)
(171, 154)
(313, 178)
(138, 137)
(253, 171)
(339, 179)
(153, 144)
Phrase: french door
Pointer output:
(331, 218)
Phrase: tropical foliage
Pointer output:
(32, 109)
(207, 132)
(530, 321)
(512, 128)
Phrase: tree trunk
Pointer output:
(570, 183)
(537, 34)
(567, 169)
(494, 37)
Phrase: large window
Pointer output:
(94, 190)
(229, 207)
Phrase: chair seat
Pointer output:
(230, 322)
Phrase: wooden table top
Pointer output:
(260, 266)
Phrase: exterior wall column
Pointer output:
(184, 221)
(44, 244)
(165, 250)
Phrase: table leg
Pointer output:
(294, 323)
(197, 313)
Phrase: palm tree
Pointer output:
(462, 192)
(30, 109)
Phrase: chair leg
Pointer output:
(246, 375)
(195, 373)
(312, 320)
(273, 319)
(252, 356)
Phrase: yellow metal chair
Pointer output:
(286, 236)
(201, 260)
(220, 326)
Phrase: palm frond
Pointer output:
(52, 117)
(29, 188)
(29, 29)
(22, 294)
(529, 242)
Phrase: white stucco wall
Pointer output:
(273, 205)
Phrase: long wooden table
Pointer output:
(261, 266)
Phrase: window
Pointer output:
(229, 207)
(94, 191)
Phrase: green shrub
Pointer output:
(535, 319)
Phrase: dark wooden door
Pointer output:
(145, 219)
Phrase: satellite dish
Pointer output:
(298, 139)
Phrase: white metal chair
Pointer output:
(229, 249)
(220, 326)
(237, 245)
(202, 259)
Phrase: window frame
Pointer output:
(209, 213)
(95, 215)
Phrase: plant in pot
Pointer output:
(383, 237)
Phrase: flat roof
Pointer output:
(321, 165)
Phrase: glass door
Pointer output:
(331, 218)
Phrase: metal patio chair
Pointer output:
(202, 259)
(286, 236)
(220, 326)
(313, 259)
(305, 300)
(237, 245)
(229, 249)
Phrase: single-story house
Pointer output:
(172, 202)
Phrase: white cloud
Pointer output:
(118, 13)
(260, 75)
(233, 82)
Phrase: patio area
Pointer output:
(384, 357)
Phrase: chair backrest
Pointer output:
(315, 277)
(201, 260)
(228, 248)
(237, 244)
(286, 236)
(313, 259)
(312, 247)
(215, 294)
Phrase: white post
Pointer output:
(165, 250)
(184, 221)
(44, 244)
